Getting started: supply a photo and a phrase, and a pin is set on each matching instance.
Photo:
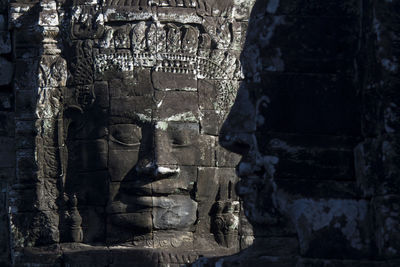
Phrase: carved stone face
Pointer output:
(297, 147)
(162, 83)
(154, 147)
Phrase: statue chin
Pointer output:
(173, 212)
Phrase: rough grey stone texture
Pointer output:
(114, 154)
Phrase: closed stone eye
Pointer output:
(130, 143)
(126, 135)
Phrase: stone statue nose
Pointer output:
(154, 170)
(162, 172)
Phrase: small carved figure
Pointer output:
(106, 42)
(138, 37)
(75, 221)
(225, 222)
(151, 38)
(173, 38)
(72, 220)
(121, 38)
(86, 22)
(190, 40)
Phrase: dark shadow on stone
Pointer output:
(296, 121)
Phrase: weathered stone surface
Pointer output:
(6, 70)
(26, 74)
(174, 81)
(166, 212)
(117, 129)
(81, 255)
(7, 127)
(92, 155)
(42, 256)
(386, 210)
(3, 22)
(5, 41)
(7, 152)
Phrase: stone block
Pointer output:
(242, 115)
(332, 228)
(125, 257)
(3, 22)
(91, 188)
(25, 104)
(29, 197)
(178, 14)
(291, 38)
(329, 8)
(277, 246)
(208, 92)
(227, 180)
(91, 155)
(387, 211)
(26, 74)
(48, 160)
(177, 257)
(92, 125)
(7, 125)
(7, 153)
(300, 100)
(6, 101)
(176, 106)
(4, 237)
(181, 144)
(7, 174)
(139, 85)
(126, 13)
(181, 183)
(93, 224)
(319, 188)
(124, 146)
(127, 196)
(173, 240)
(23, 15)
(304, 262)
(136, 108)
(6, 70)
(207, 184)
(46, 256)
(101, 94)
(210, 122)
(225, 158)
(23, 198)
(5, 41)
(80, 255)
(167, 81)
(122, 227)
(34, 229)
(173, 212)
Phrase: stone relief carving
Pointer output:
(153, 134)
(122, 110)
(131, 137)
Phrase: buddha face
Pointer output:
(155, 146)
(162, 128)
(162, 85)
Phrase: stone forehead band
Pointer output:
(175, 52)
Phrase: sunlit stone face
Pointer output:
(152, 83)
(155, 146)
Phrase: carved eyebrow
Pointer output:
(111, 137)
